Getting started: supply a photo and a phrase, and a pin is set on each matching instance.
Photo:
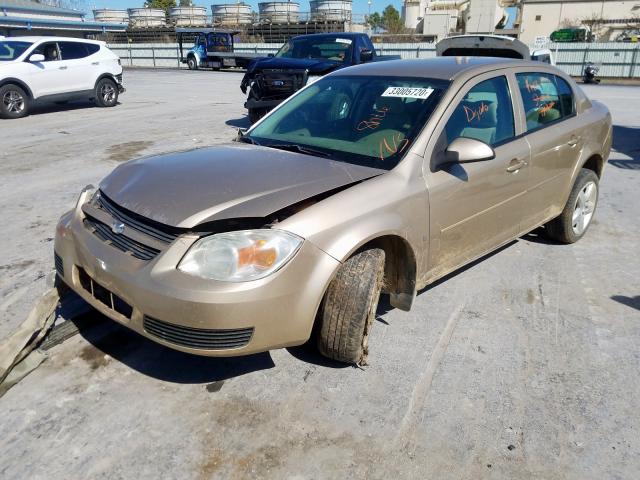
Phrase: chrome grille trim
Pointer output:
(130, 221)
(121, 242)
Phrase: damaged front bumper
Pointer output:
(194, 315)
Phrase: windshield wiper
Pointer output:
(292, 147)
(246, 139)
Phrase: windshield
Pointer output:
(368, 121)
(323, 48)
(10, 50)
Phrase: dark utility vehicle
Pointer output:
(302, 60)
(212, 48)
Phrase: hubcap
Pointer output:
(584, 208)
(13, 101)
(108, 93)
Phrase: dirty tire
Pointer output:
(106, 93)
(561, 228)
(14, 102)
(349, 307)
(192, 63)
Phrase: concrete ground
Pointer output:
(524, 365)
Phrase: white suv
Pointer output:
(56, 69)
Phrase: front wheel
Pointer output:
(192, 63)
(106, 93)
(14, 102)
(349, 307)
(578, 212)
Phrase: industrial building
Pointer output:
(26, 17)
(607, 19)
(275, 21)
(532, 20)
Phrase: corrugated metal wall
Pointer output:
(620, 60)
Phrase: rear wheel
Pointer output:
(106, 93)
(349, 307)
(14, 102)
(578, 212)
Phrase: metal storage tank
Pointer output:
(147, 17)
(107, 15)
(331, 10)
(231, 14)
(279, 12)
(188, 16)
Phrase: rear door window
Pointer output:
(485, 114)
(73, 50)
(540, 98)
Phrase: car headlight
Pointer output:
(86, 194)
(240, 256)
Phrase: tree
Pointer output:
(160, 4)
(186, 3)
(375, 20)
(391, 20)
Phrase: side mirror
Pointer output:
(270, 55)
(463, 150)
(36, 58)
(366, 56)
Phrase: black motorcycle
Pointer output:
(590, 73)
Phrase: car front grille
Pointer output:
(199, 338)
(97, 291)
(160, 232)
(119, 241)
(57, 260)
(274, 82)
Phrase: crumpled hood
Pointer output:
(228, 181)
(311, 64)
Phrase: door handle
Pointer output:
(62, 68)
(516, 165)
(573, 142)
(95, 63)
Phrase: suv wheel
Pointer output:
(576, 217)
(14, 102)
(349, 307)
(106, 93)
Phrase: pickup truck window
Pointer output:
(485, 114)
(337, 49)
(368, 121)
(10, 50)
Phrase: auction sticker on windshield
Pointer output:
(346, 41)
(408, 92)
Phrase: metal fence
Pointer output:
(617, 60)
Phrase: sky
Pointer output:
(359, 6)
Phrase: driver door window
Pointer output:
(485, 114)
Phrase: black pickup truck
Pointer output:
(299, 61)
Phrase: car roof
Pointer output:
(330, 35)
(442, 68)
(35, 39)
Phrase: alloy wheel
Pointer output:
(13, 101)
(584, 207)
(108, 93)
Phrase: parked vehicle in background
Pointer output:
(572, 34)
(212, 48)
(301, 60)
(491, 46)
(380, 177)
(35, 69)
